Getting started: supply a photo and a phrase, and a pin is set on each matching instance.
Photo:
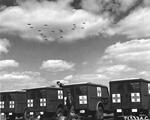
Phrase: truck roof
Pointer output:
(84, 83)
(12, 91)
(41, 88)
(131, 80)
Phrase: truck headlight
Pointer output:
(10, 113)
(31, 113)
(134, 110)
(119, 110)
(41, 113)
(82, 111)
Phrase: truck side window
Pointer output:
(105, 92)
(148, 88)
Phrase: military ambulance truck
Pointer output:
(12, 104)
(130, 98)
(89, 100)
(44, 102)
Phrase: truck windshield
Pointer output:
(81, 90)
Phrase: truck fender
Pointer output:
(99, 104)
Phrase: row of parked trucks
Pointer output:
(127, 99)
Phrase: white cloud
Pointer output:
(21, 80)
(136, 25)
(8, 63)
(115, 69)
(14, 20)
(85, 63)
(14, 76)
(69, 77)
(144, 74)
(132, 19)
(128, 59)
(4, 44)
(125, 60)
(132, 51)
(57, 65)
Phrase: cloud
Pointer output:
(116, 9)
(122, 60)
(8, 63)
(85, 63)
(127, 59)
(57, 65)
(69, 77)
(15, 76)
(4, 44)
(115, 69)
(129, 52)
(136, 25)
(144, 73)
(21, 80)
(45, 22)
(126, 17)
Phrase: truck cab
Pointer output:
(130, 97)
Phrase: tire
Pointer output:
(59, 112)
(100, 113)
(26, 114)
(149, 113)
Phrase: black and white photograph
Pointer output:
(74, 59)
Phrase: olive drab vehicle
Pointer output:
(44, 102)
(12, 105)
(88, 100)
(130, 97)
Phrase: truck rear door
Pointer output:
(81, 96)
(129, 93)
(125, 95)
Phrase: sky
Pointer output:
(42, 42)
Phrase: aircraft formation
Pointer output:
(59, 31)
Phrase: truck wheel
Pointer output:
(100, 113)
(59, 112)
(26, 114)
(149, 113)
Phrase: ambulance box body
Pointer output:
(130, 95)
